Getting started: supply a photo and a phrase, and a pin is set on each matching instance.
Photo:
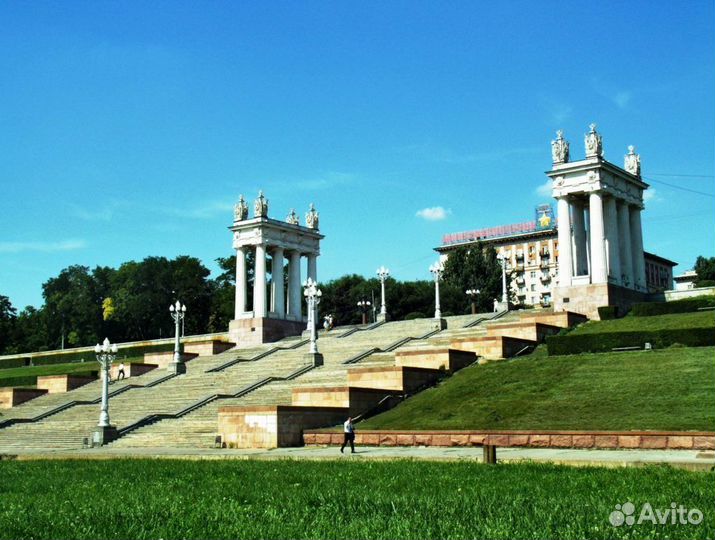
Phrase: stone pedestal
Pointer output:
(383, 317)
(176, 367)
(258, 330)
(103, 435)
(315, 359)
(586, 299)
(439, 324)
(502, 306)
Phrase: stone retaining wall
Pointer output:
(56, 384)
(692, 440)
(9, 397)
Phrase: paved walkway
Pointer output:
(691, 459)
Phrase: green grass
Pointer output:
(670, 389)
(338, 499)
(27, 376)
(698, 319)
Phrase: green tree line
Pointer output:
(131, 303)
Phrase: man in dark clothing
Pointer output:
(349, 433)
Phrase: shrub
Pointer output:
(606, 313)
(415, 315)
(606, 341)
(647, 309)
(6, 363)
(88, 356)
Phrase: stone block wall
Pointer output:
(398, 378)
(492, 347)
(356, 400)
(452, 359)
(163, 359)
(255, 331)
(207, 348)
(11, 397)
(586, 299)
(675, 440)
(562, 319)
(273, 426)
(56, 384)
(534, 331)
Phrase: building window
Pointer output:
(533, 287)
(533, 274)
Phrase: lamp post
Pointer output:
(437, 270)
(178, 312)
(364, 306)
(312, 295)
(105, 432)
(504, 299)
(383, 273)
(473, 293)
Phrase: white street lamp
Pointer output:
(504, 298)
(364, 306)
(383, 273)
(437, 269)
(473, 293)
(312, 295)
(178, 312)
(105, 432)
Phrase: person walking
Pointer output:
(120, 371)
(349, 435)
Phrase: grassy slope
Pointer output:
(671, 389)
(30, 374)
(698, 319)
(342, 499)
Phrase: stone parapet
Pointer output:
(56, 384)
(11, 397)
(531, 330)
(692, 440)
(448, 359)
(492, 347)
(259, 330)
(398, 378)
(356, 400)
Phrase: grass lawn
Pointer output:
(339, 499)
(669, 389)
(27, 376)
(699, 319)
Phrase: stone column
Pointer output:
(259, 283)
(579, 236)
(313, 266)
(598, 242)
(624, 228)
(240, 306)
(612, 240)
(564, 231)
(277, 291)
(295, 294)
(637, 248)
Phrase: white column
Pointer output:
(295, 293)
(313, 266)
(637, 248)
(240, 306)
(612, 240)
(624, 228)
(277, 291)
(564, 231)
(598, 241)
(259, 282)
(579, 236)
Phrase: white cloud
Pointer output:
(325, 181)
(201, 211)
(544, 190)
(43, 247)
(650, 194)
(435, 213)
(622, 99)
(104, 214)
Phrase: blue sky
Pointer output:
(129, 129)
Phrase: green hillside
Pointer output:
(670, 389)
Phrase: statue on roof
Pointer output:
(594, 143)
(312, 218)
(293, 218)
(260, 206)
(240, 210)
(560, 149)
(632, 162)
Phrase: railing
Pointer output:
(363, 329)
(389, 348)
(70, 404)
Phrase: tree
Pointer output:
(8, 318)
(473, 268)
(705, 269)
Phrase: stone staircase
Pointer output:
(183, 411)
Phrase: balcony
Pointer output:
(520, 280)
(519, 255)
(544, 264)
(545, 278)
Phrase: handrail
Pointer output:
(389, 348)
(158, 417)
(363, 329)
(270, 351)
(73, 403)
